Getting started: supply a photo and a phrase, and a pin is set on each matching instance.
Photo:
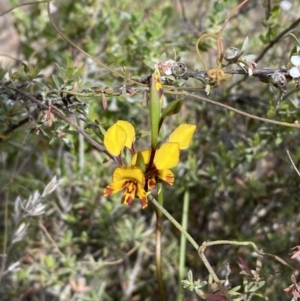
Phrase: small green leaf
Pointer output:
(52, 139)
(68, 142)
(249, 57)
(57, 81)
(245, 44)
(186, 284)
(275, 11)
(256, 286)
(135, 77)
(163, 57)
(49, 261)
(235, 289)
(172, 108)
(69, 218)
(200, 284)
(190, 276)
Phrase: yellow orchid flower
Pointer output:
(167, 156)
(119, 135)
(132, 180)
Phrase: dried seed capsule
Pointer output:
(278, 79)
(230, 54)
(179, 69)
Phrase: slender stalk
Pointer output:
(158, 244)
(173, 221)
(296, 124)
(219, 42)
(277, 38)
(293, 164)
(22, 4)
(212, 272)
(182, 252)
(244, 243)
(5, 237)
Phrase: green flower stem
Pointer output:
(195, 245)
(182, 253)
(158, 244)
(173, 221)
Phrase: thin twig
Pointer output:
(158, 257)
(51, 239)
(219, 42)
(5, 236)
(130, 287)
(212, 272)
(276, 39)
(22, 4)
(118, 261)
(282, 123)
(296, 169)
(60, 115)
(12, 127)
(245, 243)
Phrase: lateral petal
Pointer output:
(183, 135)
(167, 176)
(167, 156)
(115, 139)
(130, 132)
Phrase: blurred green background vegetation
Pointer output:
(241, 183)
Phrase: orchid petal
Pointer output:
(130, 132)
(183, 135)
(129, 194)
(151, 183)
(167, 156)
(146, 155)
(132, 180)
(141, 193)
(114, 188)
(167, 176)
(115, 139)
(130, 173)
